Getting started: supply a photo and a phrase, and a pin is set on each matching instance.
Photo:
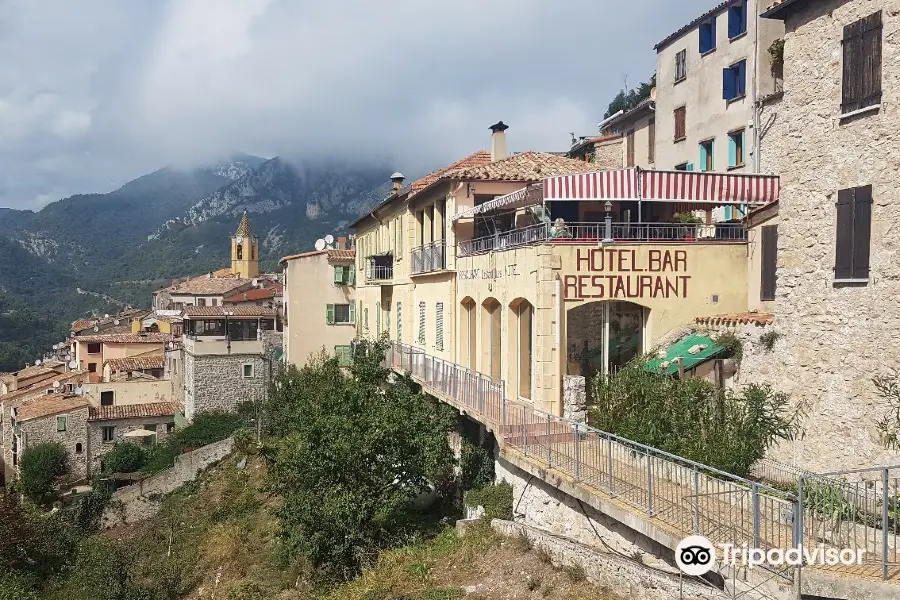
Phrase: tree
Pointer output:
(626, 100)
(42, 464)
(349, 455)
(125, 457)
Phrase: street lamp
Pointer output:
(608, 207)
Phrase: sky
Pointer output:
(95, 93)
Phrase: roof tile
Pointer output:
(132, 411)
(127, 338)
(237, 311)
(760, 319)
(49, 404)
(136, 363)
(524, 166)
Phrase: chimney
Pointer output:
(397, 181)
(498, 141)
(341, 243)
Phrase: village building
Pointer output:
(637, 129)
(152, 366)
(91, 352)
(320, 303)
(604, 151)
(837, 274)
(30, 376)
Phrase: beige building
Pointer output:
(709, 76)
(838, 277)
(320, 303)
(91, 352)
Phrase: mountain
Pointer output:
(95, 253)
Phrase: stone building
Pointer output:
(230, 355)
(52, 418)
(604, 151)
(637, 128)
(838, 280)
(107, 425)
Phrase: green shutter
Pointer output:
(689, 167)
(351, 275)
(338, 275)
(702, 157)
(732, 149)
(352, 313)
(439, 325)
(329, 314)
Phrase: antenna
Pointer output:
(320, 244)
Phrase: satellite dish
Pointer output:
(329, 239)
(256, 283)
(56, 384)
(73, 364)
(37, 362)
(68, 357)
(106, 316)
(72, 333)
(116, 322)
(96, 328)
(56, 346)
(320, 244)
(79, 390)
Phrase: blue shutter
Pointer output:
(732, 150)
(689, 167)
(728, 91)
(733, 25)
(741, 87)
(702, 157)
(704, 38)
(728, 213)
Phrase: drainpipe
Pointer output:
(560, 351)
(753, 95)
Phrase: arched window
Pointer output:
(240, 252)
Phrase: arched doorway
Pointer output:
(521, 345)
(490, 339)
(603, 336)
(468, 334)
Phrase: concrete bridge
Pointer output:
(648, 499)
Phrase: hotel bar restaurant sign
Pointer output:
(623, 273)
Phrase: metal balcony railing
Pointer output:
(428, 258)
(579, 233)
(379, 272)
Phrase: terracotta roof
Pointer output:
(82, 324)
(136, 363)
(205, 284)
(737, 319)
(127, 338)
(132, 411)
(226, 272)
(524, 166)
(237, 311)
(482, 157)
(335, 255)
(41, 389)
(244, 227)
(50, 404)
(715, 9)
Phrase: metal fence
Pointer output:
(379, 272)
(690, 497)
(576, 233)
(428, 258)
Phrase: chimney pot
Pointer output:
(397, 181)
(498, 141)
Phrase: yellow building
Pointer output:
(573, 274)
(244, 251)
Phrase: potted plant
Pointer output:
(690, 222)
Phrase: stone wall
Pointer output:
(218, 382)
(574, 398)
(836, 337)
(608, 154)
(40, 430)
(142, 500)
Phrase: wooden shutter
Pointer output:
(862, 231)
(861, 85)
(421, 322)
(439, 325)
(651, 139)
(843, 250)
(769, 259)
(629, 148)
(680, 129)
(329, 314)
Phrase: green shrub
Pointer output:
(476, 466)
(42, 464)
(733, 346)
(125, 457)
(207, 427)
(497, 500)
(769, 338)
(14, 586)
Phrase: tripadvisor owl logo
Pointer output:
(695, 555)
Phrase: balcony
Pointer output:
(591, 233)
(429, 258)
(379, 273)
(221, 345)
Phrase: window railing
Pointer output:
(428, 258)
(580, 233)
(379, 272)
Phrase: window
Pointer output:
(769, 260)
(150, 427)
(109, 434)
(681, 66)
(708, 36)
(240, 252)
(399, 323)
(170, 427)
(737, 20)
(79, 448)
(339, 313)
(344, 354)
(107, 398)
(707, 152)
(92, 367)
(421, 338)
(651, 140)
(861, 86)
(247, 372)
(629, 148)
(734, 83)
(854, 225)
(60, 423)
(680, 128)
(439, 325)
(201, 301)
(215, 301)
(343, 275)
(736, 149)
(94, 348)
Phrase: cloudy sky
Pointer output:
(96, 92)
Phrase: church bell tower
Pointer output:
(245, 251)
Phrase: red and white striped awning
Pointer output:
(621, 184)
(664, 186)
(717, 188)
(527, 196)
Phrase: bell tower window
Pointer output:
(240, 252)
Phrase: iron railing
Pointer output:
(428, 258)
(691, 497)
(579, 233)
(379, 272)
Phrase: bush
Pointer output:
(769, 338)
(207, 428)
(41, 466)
(125, 457)
(692, 417)
(476, 466)
(14, 586)
(497, 501)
